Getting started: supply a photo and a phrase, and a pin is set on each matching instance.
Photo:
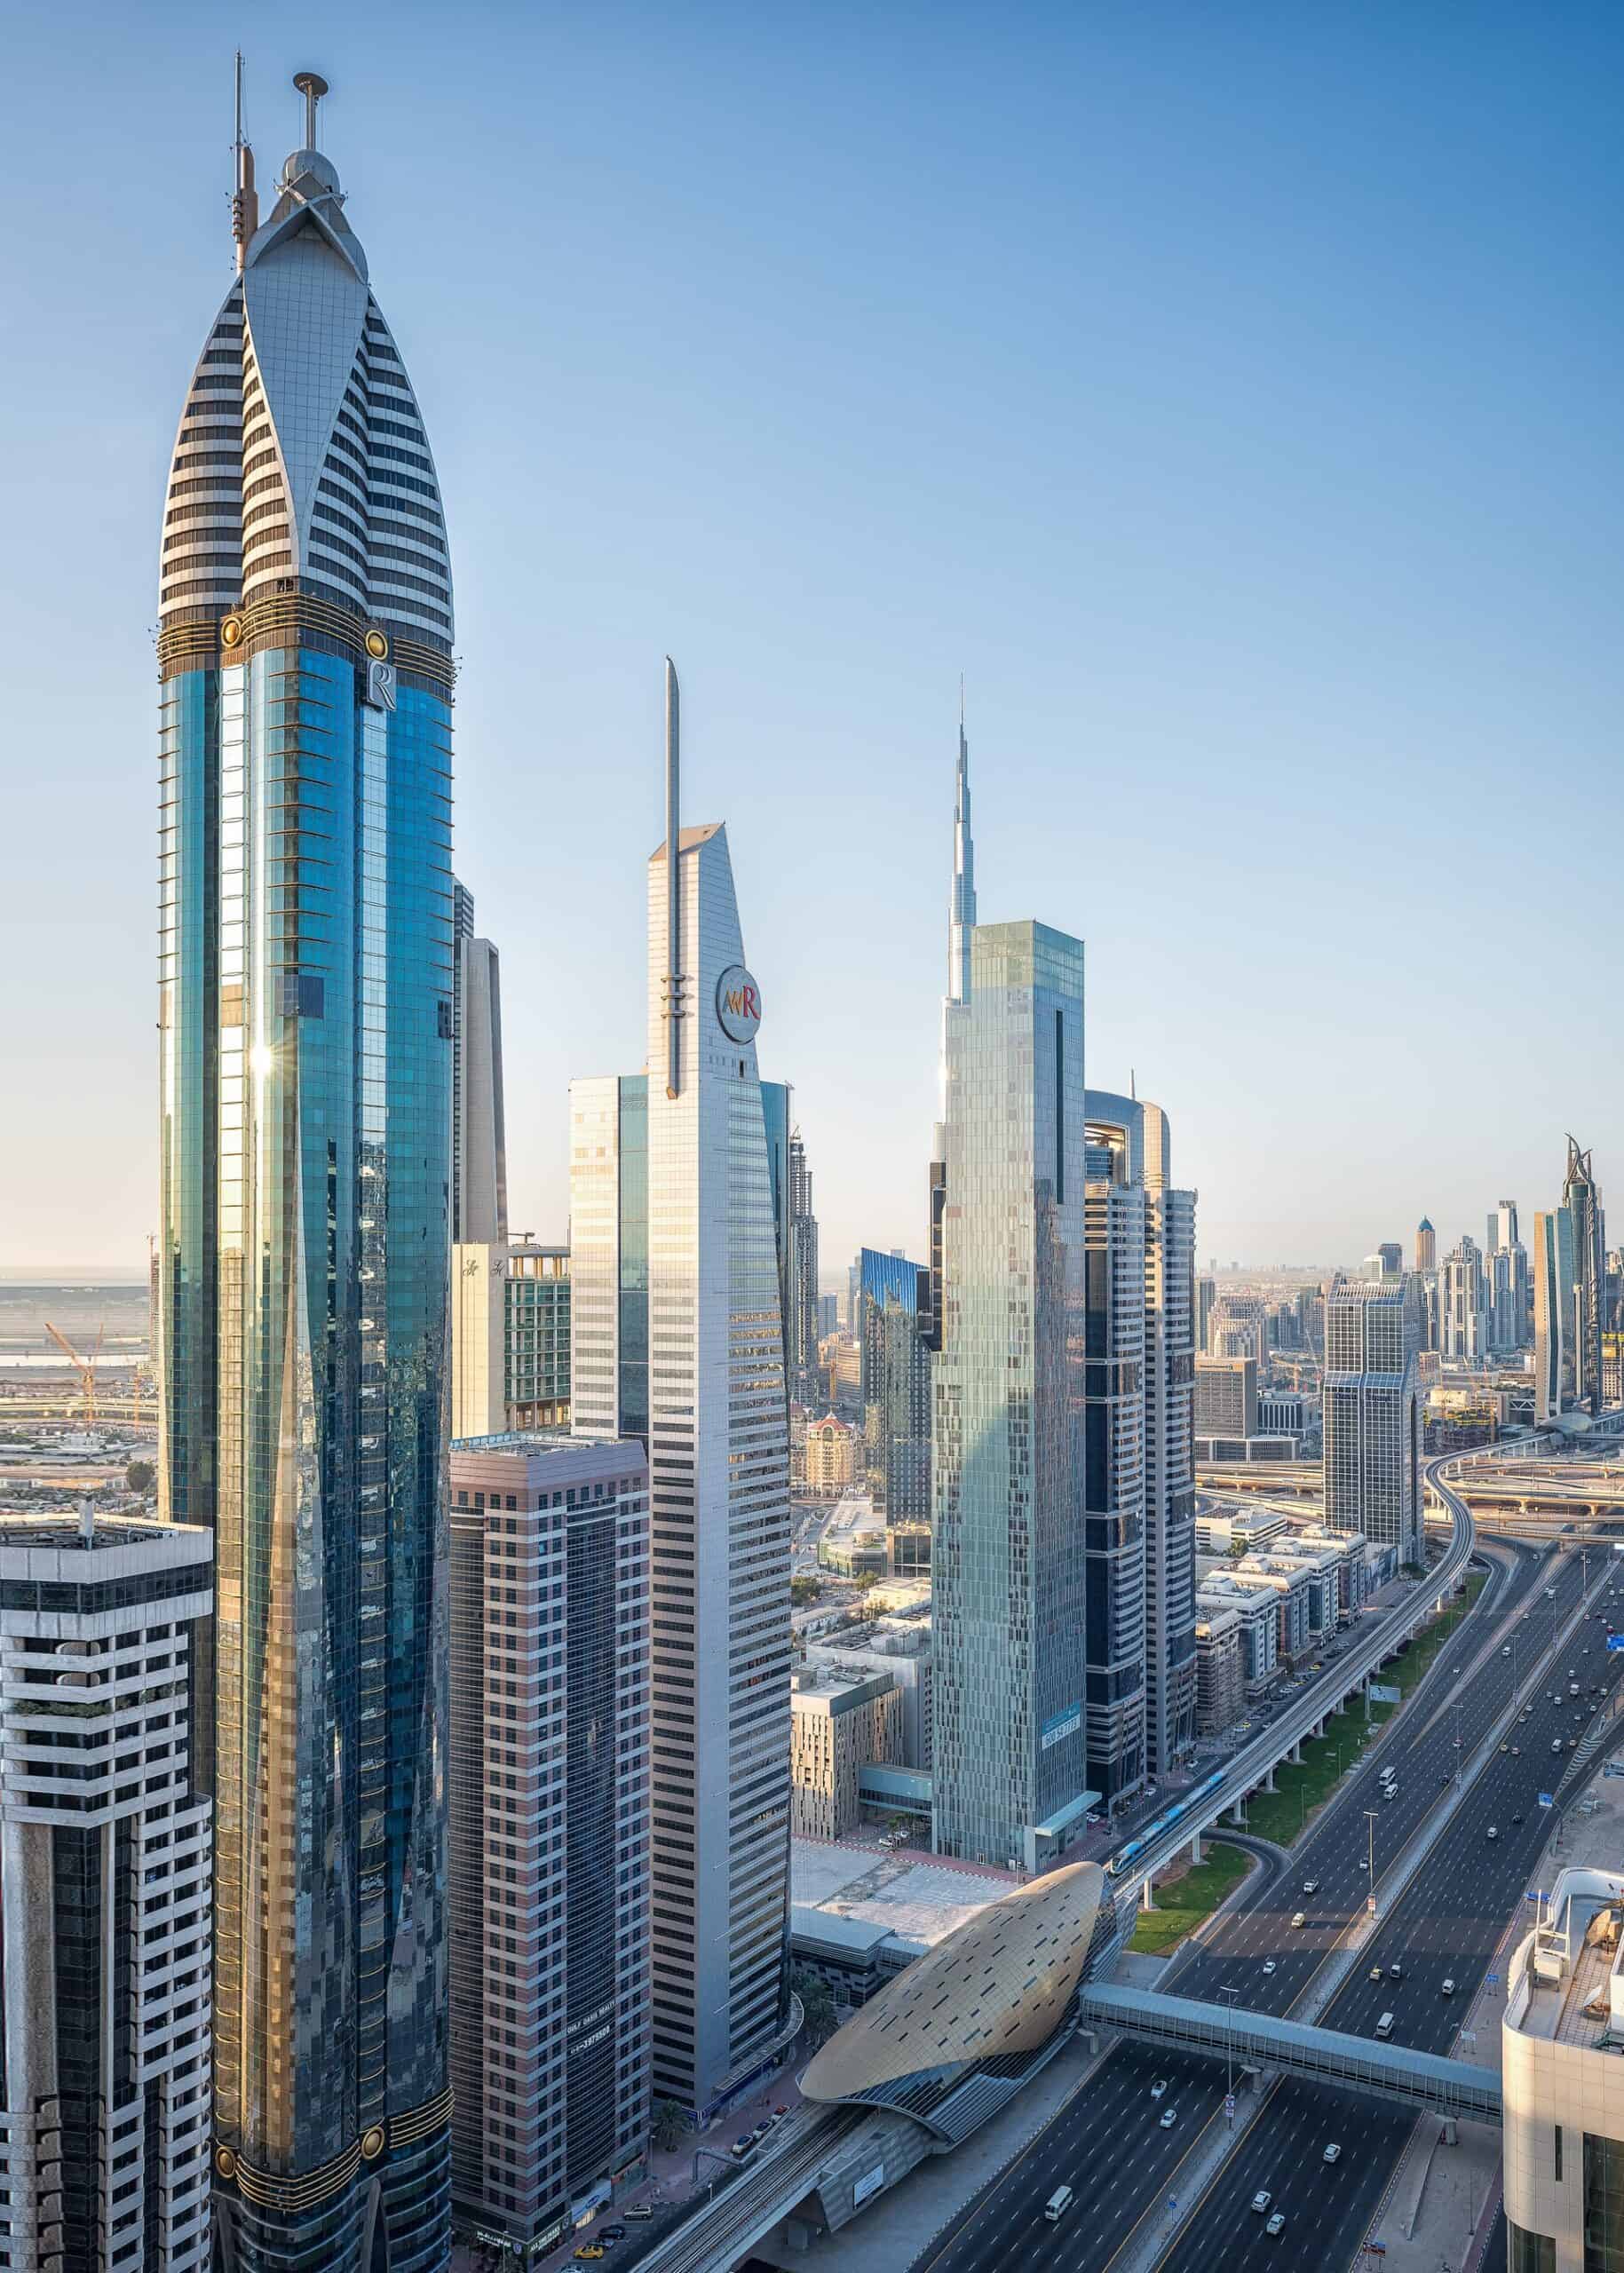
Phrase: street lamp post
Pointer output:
(1229, 2053)
(1370, 1865)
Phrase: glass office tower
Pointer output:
(305, 1019)
(1009, 1568)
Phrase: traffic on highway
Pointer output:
(1111, 2143)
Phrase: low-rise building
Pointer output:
(830, 1457)
(838, 1725)
(902, 1651)
(1220, 1672)
(1218, 1589)
(1247, 1451)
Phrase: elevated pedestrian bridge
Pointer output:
(1424, 2080)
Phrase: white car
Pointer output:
(1262, 2199)
(1333, 2153)
(1269, 1965)
(1277, 2224)
(1169, 2118)
(1158, 2089)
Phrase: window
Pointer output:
(1531, 2252)
(1604, 2161)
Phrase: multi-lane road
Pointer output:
(1108, 2142)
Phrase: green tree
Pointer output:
(804, 1588)
(140, 1476)
(668, 2124)
(817, 2002)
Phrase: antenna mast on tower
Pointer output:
(244, 197)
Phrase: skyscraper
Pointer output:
(895, 1385)
(104, 2129)
(478, 1125)
(961, 924)
(1114, 1426)
(1554, 1314)
(549, 1841)
(674, 1240)
(1425, 1246)
(1582, 1201)
(307, 1017)
(1462, 1304)
(1007, 1455)
(800, 1318)
(1371, 1413)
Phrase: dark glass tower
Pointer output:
(305, 1017)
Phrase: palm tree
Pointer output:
(817, 2003)
(669, 2125)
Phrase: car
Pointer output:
(1493, 1833)
(1517, 1818)
(763, 2127)
(1448, 1987)
(1262, 2199)
(1395, 1973)
(1310, 1886)
(1571, 1742)
(1170, 2117)
(1277, 2224)
(591, 2249)
(1505, 1747)
(1158, 2089)
(741, 2149)
(1517, 1752)
(1299, 1917)
(612, 2233)
(1376, 1973)
(1333, 2153)
(1269, 1965)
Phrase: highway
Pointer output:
(1107, 2142)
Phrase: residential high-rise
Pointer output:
(104, 2130)
(549, 1828)
(478, 1125)
(1425, 1246)
(673, 1239)
(1582, 1201)
(1371, 1414)
(800, 1318)
(1463, 1305)
(306, 1015)
(1009, 1597)
(1206, 1297)
(1554, 1313)
(1114, 1424)
(895, 1385)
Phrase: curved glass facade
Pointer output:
(306, 1022)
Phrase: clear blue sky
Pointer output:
(1231, 393)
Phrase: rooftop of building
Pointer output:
(902, 1893)
(1567, 1975)
(43, 1547)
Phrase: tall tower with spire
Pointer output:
(306, 1021)
(961, 926)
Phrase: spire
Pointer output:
(244, 197)
(312, 87)
(673, 882)
(962, 915)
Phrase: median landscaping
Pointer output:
(1183, 1903)
(1304, 1786)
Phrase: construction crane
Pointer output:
(85, 1368)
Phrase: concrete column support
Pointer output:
(1148, 1899)
(1195, 1849)
(1269, 1785)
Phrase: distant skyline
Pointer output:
(1230, 395)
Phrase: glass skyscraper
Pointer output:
(1008, 1482)
(306, 1010)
